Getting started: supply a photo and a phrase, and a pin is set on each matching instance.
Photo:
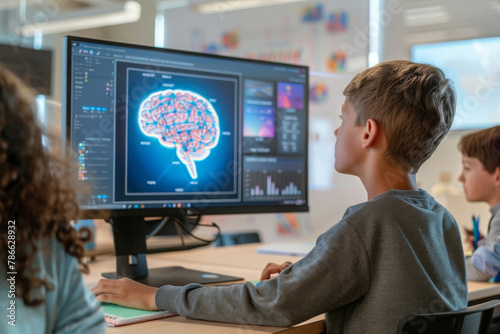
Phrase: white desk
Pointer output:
(243, 261)
(480, 292)
(183, 324)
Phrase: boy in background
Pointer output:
(398, 253)
(481, 180)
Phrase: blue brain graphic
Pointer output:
(183, 120)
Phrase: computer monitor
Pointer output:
(168, 133)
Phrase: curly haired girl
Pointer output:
(42, 287)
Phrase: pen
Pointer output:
(475, 230)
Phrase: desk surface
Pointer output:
(243, 261)
(195, 260)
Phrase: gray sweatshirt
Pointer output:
(396, 254)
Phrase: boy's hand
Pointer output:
(126, 292)
(273, 268)
(469, 238)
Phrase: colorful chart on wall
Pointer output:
(320, 34)
(318, 92)
(337, 22)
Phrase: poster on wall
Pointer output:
(320, 34)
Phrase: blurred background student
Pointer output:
(481, 180)
(41, 268)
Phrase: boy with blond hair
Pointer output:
(398, 253)
(481, 180)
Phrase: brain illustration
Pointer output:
(183, 120)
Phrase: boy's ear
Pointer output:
(370, 133)
(497, 176)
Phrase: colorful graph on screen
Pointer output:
(259, 122)
(290, 95)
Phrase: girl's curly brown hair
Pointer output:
(34, 189)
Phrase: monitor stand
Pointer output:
(129, 234)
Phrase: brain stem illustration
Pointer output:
(182, 120)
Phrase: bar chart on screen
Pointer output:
(266, 184)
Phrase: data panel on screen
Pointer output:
(474, 67)
(157, 129)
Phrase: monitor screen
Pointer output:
(158, 131)
(474, 67)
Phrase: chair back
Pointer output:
(472, 320)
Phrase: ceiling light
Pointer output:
(426, 16)
(229, 5)
(112, 14)
(442, 35)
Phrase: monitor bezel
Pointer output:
(182, 211)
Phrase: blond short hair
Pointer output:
(413, 103)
